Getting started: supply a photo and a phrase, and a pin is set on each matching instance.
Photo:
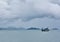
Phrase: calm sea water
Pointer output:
(29, 36)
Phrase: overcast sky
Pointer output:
(30, 13)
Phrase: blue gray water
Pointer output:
(29, 36)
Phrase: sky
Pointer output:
(30, 13)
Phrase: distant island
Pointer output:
(32, 28)
(55, 29)
(12, 28)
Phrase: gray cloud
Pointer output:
(13, 10)
(56, 1)
(29, 9)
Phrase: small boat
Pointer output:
(45, 30)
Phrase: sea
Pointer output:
(29, 36)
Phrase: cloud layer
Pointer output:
(13, 10)
(29, 9)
